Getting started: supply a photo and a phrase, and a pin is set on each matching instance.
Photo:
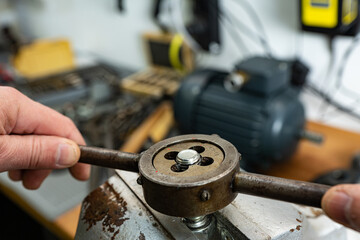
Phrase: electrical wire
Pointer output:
(250, 10)
(250, 33)
(338, 85)
(323, 107)
(344, 60)
(193, 44)
(331, 101)
(324, 95)
(237, 40)
(234, 36)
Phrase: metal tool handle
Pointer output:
(299, 192)
(109, 158)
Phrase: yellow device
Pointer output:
(330, 16)
(44, 57)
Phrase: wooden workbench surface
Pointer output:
(311, 160)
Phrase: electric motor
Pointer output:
(256, 108)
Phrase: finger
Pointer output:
(22, 117)
(37, 152)
(342, 204)
(15, 175)
(80, 171)
(32, 179)
(19, 114)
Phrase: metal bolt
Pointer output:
(187, 157)
(196, 223)
(139, 180)
(205, 195)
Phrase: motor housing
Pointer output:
(264, 119)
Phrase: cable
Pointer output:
(340, 72)
(251, 33)
(233, 35)
(339, 87)
(181, 28)
(330, 101)
(249, 9)
(323, 108)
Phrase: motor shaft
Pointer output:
(299, 192)
(109, 158)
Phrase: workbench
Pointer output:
(311, 160)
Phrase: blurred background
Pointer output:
(255, 72)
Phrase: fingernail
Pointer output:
(66, 155)
(337, 206)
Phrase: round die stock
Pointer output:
(204, 187)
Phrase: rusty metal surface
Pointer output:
(105, 205)
(109, 158)
(112, 211)
(184, 195)
(299, 192)
(173, 225)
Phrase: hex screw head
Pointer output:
(205, 195)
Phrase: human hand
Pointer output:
(35, 139)
(342, 204)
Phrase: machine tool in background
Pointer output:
(91, 97)
(187, 188)
(332, 17)
(257, 108)
(94, 83)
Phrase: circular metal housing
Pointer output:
(200, 189)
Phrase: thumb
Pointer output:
(342, 204)
(37, 152)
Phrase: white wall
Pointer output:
(91, 25)
(97, 26)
